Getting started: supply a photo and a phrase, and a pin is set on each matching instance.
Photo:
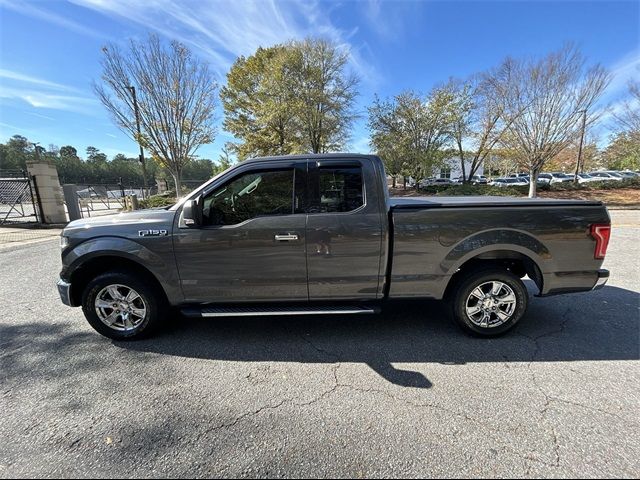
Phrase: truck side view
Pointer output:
(319, 234)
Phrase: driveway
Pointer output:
(404, 393)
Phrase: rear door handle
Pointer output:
(289, 237)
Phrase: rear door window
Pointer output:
(341, 189)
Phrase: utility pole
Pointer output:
(579, 167)
(144, 168)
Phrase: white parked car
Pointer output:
(586, 178)
(509, 182)
(556, 177)
(435, 181)
(606, 176)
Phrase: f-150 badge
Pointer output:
(152, 233)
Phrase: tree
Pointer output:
(258, 102)
(15, 153)
(325, 94)
(552, 94)
(224, 160)
(623, 152)
(290, 99)
(480, 119)
(176, 99)
(413, 130)
(628, 118)
(95, 156)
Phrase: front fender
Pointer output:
(160, 263)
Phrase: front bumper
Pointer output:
(64, 290)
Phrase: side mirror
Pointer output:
(192, 212)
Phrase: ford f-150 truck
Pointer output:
(319, 234)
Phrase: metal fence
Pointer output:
(17, 201)
(101, 199)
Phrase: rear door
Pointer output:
(344, 231)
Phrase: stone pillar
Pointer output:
(161, 183)
(71, 199)
(48, 190)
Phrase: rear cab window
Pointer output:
(340, 189)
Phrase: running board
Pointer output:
(251, 311)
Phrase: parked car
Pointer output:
(586, 178)
(435, 181)
(557, 177)
(509, 182)
(625, 174)
(479, 180)
(267, 237)
(606, 176)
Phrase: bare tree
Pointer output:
(552, 93)
(628, 118)
(176, 99)
(481, 119)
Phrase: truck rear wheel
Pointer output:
(489, 302)
(121, 306)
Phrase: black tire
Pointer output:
(154, 303)
(462, 298)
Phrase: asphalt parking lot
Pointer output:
(404, 393)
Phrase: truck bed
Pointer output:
(435, 236)
(484, 201)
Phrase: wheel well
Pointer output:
(517, 263)
(108, 263)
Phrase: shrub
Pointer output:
(155, 201)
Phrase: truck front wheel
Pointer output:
(121, 306)
(489, 302)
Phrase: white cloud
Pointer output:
(223, 30)
(624, 70)
(40, 93)
(54, 101)
(22, 78)
(31, 10)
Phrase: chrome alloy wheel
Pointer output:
(491, 304)
(120, 307)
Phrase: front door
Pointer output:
(251, 246)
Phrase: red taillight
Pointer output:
(601, 233)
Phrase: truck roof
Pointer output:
(310, 156)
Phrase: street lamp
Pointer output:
(132, 90)
(579, 162)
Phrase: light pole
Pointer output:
(579, 162)
(132, 90)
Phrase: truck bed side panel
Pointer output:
(430, 244)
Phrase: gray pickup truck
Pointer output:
(318, 234)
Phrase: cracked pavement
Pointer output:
(402, 394)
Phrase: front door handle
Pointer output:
(289, 237)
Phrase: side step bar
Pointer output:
(250, 311)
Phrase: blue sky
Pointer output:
(50, 50)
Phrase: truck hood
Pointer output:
(122, 224)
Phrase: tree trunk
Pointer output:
(533, 183)
(394, 180)
(177, 178)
